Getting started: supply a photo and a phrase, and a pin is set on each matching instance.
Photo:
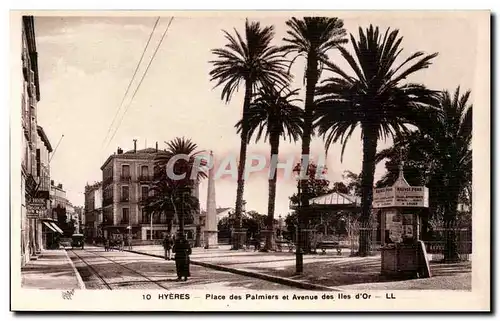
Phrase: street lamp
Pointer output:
(299, 255)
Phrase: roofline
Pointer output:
(139, 156)
(107, 161)
(44, 138)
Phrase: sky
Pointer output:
(86, 63)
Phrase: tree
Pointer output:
(273, 115)
(254, 62)
(315, 185)
(439, 156)
(374, 99)
(173, 197)
(312, 37)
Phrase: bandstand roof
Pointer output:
(334, 201)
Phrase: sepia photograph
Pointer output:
(250, 160)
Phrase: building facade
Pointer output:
(126, 182)
(35, 169)
(92, 221)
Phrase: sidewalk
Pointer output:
(53, 270)
(329, 271)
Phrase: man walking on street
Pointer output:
(167, 246)
(129, 239)
(182, 250)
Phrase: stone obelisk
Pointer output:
(211, 238)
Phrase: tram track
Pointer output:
(93, 270)
(109, 285)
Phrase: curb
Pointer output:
(81, 284)
(266, 277)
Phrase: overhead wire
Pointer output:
(131, 81)
(142, 79)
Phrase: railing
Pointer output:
(145, 178)
(125, 178)
(124, 200)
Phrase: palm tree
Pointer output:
(312, 38)
(274, 114)
(441, 156)
(374, 99)
(254, 62)
(173, 196)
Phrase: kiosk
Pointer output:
(400, 207)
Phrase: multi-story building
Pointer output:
(126, 181)
(47, 221)
(93, 211)
(35, 173)
(58, 198)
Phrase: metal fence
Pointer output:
(366, 231)
(449, 242)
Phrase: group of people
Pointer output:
(180, 247)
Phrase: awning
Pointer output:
(49, 226)
(56, 227)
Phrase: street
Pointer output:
(117, 270)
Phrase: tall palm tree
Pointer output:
(173, 196)
(374, 99)
(253, 61)
(440, 153)
(312, 38)
(273, 115)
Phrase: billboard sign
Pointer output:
(411, 196)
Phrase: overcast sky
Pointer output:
(85, 65)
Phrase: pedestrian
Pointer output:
(182, 250)
(122, 243)
(129, 239)
(167, 246)
(106, 244)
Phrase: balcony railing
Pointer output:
(125, 178)
(145, 178)
(125, 199)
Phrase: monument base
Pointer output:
(211, 240)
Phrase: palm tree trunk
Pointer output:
(312, 79)
(275, 143)
(237, 243)
(367, 177)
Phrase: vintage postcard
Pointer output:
(250, 161)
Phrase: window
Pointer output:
(125, 171)
(144, 192)
(125, 193)
(145, 216)
(144, 171)
(125, 216)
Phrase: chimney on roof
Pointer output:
(135, 145)
(60, 186)
(51, 182)
(119, 151)
(157, 147)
